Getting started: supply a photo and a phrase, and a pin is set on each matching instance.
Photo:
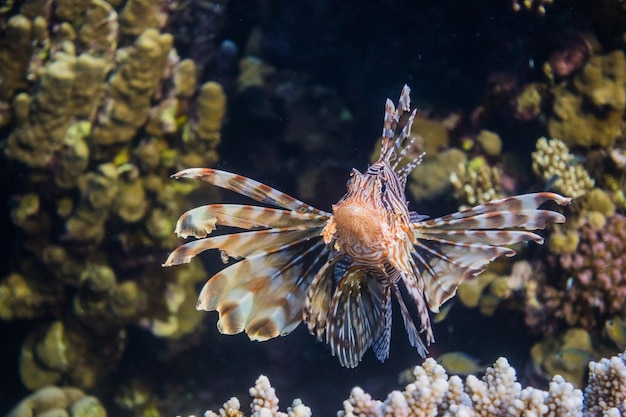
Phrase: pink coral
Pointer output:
(573, 54)
(588, 286)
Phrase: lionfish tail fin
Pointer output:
(355, 315)
(458, 246)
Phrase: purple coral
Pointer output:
(588, 286)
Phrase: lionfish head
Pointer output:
(366, 185)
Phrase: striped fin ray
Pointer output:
(444, 266)
(409, 325)
(447, 250)
(241, 245)
(383, 340)
(201, 221)
(394, 118)
(250, 188)
(263, 294)
(527, 219)
(492, 237)
(318, 298)
(355, 315)
(526, 203)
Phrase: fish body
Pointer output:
(339, 271)
(616, 330)
(460, 363)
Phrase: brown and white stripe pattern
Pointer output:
(339, 271)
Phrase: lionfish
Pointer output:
(339, 271)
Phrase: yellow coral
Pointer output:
(558, 168)
(431, 177)
(476, 182)
(589, 112)
(567, 355)
(562, 243)
(490, 142)
(211, 110)
(599, 201)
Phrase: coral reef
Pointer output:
(553, 162)
(58, 401)
(431, 178)
(589, 111)
(264, 404)
(475, 182)
(567, 355)
(538, 5)
(527, 103)
(588, 285)
(489, 142)
(495, 285)
(497, 393)
(98, 109)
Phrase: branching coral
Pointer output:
(496, 394)
(264, 404)
(605, 393)
(476, 182)
(553, 162)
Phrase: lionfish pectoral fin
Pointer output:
(443, 266)
(526, 204)
(202, 221)
(198, 222)
(458, 246)
(250, 188)
(265, 324)
(235, 310)
(355, 315)
(240, 245)
(263, 294)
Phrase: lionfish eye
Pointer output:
(383, 188)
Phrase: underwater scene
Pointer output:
(361, 208)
